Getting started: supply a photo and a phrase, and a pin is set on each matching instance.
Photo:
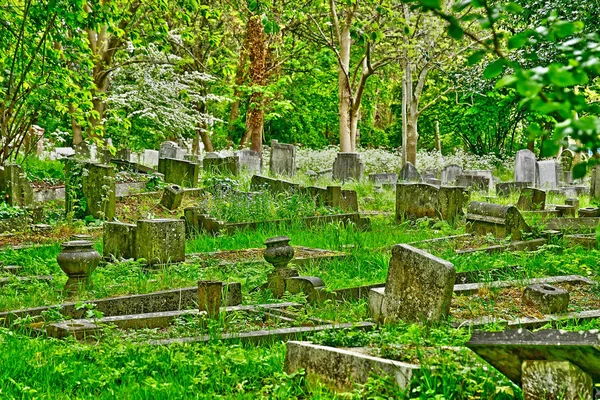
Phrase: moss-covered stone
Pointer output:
(160, 240)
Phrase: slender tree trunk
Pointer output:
(412, 136)
(258, 55)
(438, 142)
(77, 133)
(345, 97)
(240, 74)
(202, 134)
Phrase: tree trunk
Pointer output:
(412, 136)
(240, 73)
(345, 97)
(258, 54)
(438, 142)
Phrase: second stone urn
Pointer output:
(279, 253)
(78, 260)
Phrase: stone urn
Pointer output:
(78, 260)
(279, 253)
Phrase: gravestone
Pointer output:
(418, 200)
(450, 173)
(160, 240)
(499, 220)
(99, 190)
(595, 183)
(451, 200)
(532, 199)
(124, 154)
(348, 166)
(505, 189)
(118, 240)
(473, 182)
(483, 173)
(525, 166)
(409, 173)
(272, 185)
(283, 159)
(168, 150)
(566, 164)
(15, 186)
(418, 288)
(179, 172)
(249, 161)
(547, 174)
(572, 201)
(383, 179)
(547, 364)
(150, 158)
(217, 165)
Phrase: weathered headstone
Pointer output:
(486, 173)
(15, 186)
(418, 288)
(249, 161)
(566, 164)
(418, 200)
(451, 200)
(383, 179)
(168, 150)
(505, 189)
(348, 166)
(525, 166)
(215, 164)
(409, 173)
(172, 197)
(160, 240)
(547, 174)
(179, 172)
(572, 201)
(501, 221)
(473, 182)
(532, 199)
(99, 190)
(118, 240)
(450, 173)
(595, 183)
(150, 158)
(547, 364)
(283, 159)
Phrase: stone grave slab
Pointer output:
(501, 221)
(409, 173)
(283, 159)
(450, 173)
(532, 199)
(525, 166)
(348, 166)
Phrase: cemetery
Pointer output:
(335, 200)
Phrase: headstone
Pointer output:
(547, 364)
(124, 154)
(450, 173)
(250, 161)
(451, 200)
(505, 189)
(150, 158)
(381, 179)
(532, 200)
(409, 173)
(217, 165)
(172, 197)
(179, 172)
(418, 200)
(499, 220)
(525, 166)
(168, 150)
(15, 186)
(418, 288)
(484, 173)
(160, 241)
(595, 183)
(118, 240)
(566, 164)
(209, 297)
(547, 174)
(283, 159)
(99, 190)
(473, 182)
(348, 166)
(572, 201)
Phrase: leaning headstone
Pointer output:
(409, 173)
(217, 165)
(283, 159)
(99, 190)
(525, 166)
(532, 200)
(547, 174)
(450, 173)
(348, 166)
(179, 172)
(118, 240)
(505, 189)
(250, 161)
(15, 186)
(418, 288)
(547, 364)
(160, 241)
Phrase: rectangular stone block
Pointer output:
(283, 159)
(118, 240)
(99, 190)
(179, 172)
(525, 166)
(348, 166)
(160, 241)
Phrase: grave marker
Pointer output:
(348, 166)
(525, 166)
(283, 159)
(450, 173)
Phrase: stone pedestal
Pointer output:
(348, 166)
(119, 240)
(172, 197)
(160, 240)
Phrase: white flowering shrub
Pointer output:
(381, 160)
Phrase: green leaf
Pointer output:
(435, 4)
(519, 40)
(494, 69)
(476, 57)
(506, 80)
(513, 8)
(549, 148)
(579, 170)
(455, 31)
(528, 88)
(560, 77)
